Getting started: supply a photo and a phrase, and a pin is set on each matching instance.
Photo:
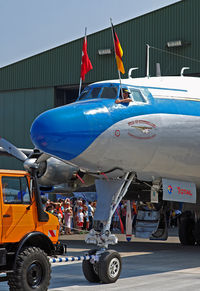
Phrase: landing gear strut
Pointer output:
(106, 264)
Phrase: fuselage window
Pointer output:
(137, 95)
(109, 92)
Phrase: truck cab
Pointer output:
(26, 231)
(18, 209)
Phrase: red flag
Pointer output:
(86, 65)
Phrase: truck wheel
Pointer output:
(90, 270)
(186, 231)
(109, 266)
(33, 271)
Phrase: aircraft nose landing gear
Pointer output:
(106, 267)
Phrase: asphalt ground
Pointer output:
(147, 265)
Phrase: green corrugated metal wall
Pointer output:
(18, 109)
(61, 66)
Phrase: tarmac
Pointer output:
(147, 265)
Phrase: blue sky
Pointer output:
(28, 27)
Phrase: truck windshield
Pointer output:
(15, 190)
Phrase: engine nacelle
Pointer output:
(56, 172)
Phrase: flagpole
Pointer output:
(120, 80)
(80, 85)
(79, 93)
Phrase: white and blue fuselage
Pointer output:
(157, 135)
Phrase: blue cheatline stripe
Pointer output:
(158, 88)
(70, 259)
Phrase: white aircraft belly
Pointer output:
(164, 145)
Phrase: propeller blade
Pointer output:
(12, 150)
(43, 158)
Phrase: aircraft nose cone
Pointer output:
(57, 131)
(67, 131)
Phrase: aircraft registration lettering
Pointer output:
(142, 129)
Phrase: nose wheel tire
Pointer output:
(109, 266)
(90, 270)
(33, 271)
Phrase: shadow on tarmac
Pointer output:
(138, 259)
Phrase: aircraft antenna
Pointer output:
(147, 60)
(183, 69)
(158, 70)
(130, 71)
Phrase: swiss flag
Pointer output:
(86, 65)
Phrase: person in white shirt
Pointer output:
(90, 215)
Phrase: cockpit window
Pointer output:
(94, 93)
(137, 95)
(83, 94)
(109, 92)
(105, 92)
(90, 94)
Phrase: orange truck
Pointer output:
(28, 234)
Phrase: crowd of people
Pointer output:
(73, 214)
(78, 214)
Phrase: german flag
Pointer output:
(118, 52)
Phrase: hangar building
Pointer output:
(51, 78)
